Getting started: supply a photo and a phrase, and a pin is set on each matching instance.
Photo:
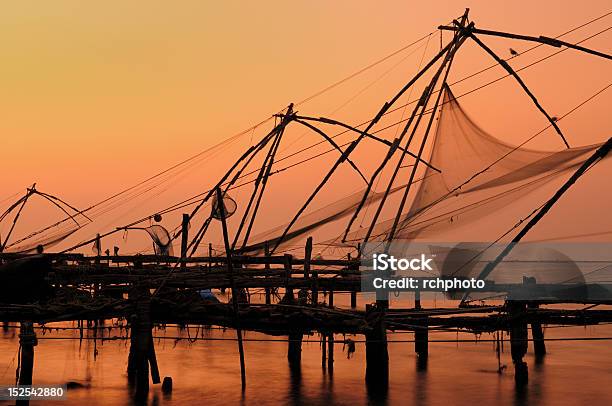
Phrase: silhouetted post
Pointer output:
(267, 268)
(315, 288)
(330, 351)
(155, 377)
(27, 341)
(518, 341)
(377, 356)
(98, 245)
(353, 293)
(184, 239)
(323, 350)
(294, 349)
(307, 256)
(230, 270)
(421, 342)
(417, 299)
(539, 346)
(141, 342)
(331, 297)
(210, 251)
(288, 298)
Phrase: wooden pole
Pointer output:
(210, 254)
(98, 249)
(267, 268)
(353, 145)
(294, 349)
(513, 73)
(518, 341)
(597, 155)
(330, 351)
(27, 341)
(377, 356)
(288, 298)
(155, 377)
(184, 239)
(539, 346)
(421, 342)
(230, 271)
(323, 350)
(541, 39)
(307, 256)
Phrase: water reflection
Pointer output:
(207, 371)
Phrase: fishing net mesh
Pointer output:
(479, 174)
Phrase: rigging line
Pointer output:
(490, 67)
(470, 206)
(531, 49)
(397, 127)
(187, 203)
(588, 273)
(518, 224)
(458, 39)
(360, 71)
(464, 94)
(421, 149)
(451, 192)
(264, 121)
(390, 111)
(443, 216)
(568, 237)
(429, 111)
(360, 92)
(356, 142)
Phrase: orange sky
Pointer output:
(97, 96)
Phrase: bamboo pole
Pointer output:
(230, 271)
(356, 142)
(513, 73)
(597, 155)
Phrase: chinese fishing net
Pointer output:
(479, 175)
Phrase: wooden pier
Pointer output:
(149, 290)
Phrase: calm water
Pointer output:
(573, 373)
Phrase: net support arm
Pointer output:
(375, 138)
(513, 73)
(597, 156)
(333, 143)
(541, 39)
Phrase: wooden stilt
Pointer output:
(518, 341)
(323, 350)
(330, 351)
(230, 271)
(539, 346)
(155, 377)
(142, 331)
(294, 349)
(184, 238)
(267, 268)
(289, 297)
(377, 356)
(27, 341)
(421, 342)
